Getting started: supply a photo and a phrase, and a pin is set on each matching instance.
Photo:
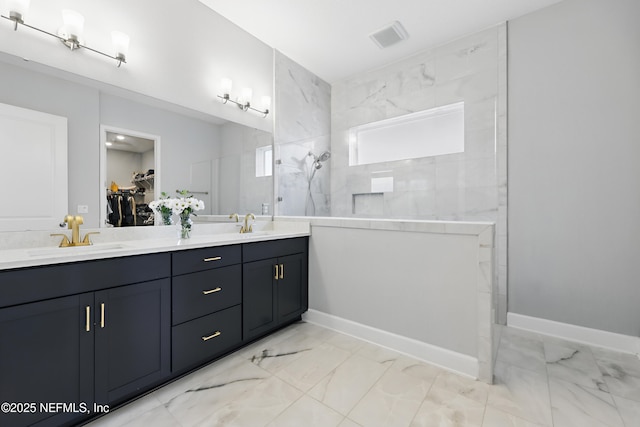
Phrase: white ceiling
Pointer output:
(331, 37)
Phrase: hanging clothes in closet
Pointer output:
(121, 208)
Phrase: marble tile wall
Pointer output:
(469, 186)
(302, 126)
(236, 184)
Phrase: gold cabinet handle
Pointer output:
(282, 271)
(276, 276)
(87, 311)
(216, 334)
(102, 315)
(211, 291)
(215, 258)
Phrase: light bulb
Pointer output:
(226, 86)
(266, 102)
(247, 93)
(18, 8)
(120, 44)
(73, 23)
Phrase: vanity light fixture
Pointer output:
(71, 32)
(244, 100)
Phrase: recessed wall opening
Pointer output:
(427, 133)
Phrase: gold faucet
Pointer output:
(247, 228)
(234, 215)
(73, 223)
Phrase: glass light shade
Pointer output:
(18, 6)
(120, 43)
(266, 102)
(247, 94)
(226, 86)
(73, 23)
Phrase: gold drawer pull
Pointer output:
(210, 291)
(276, 276)
(215, 258)
(282, 271)
(217, 334)
(88, 318)
(102, 315)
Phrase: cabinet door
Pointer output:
(290, 292)
(258, 302)
(132, 339)
(46, 356)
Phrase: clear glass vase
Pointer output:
(185, 225)
(166, 218)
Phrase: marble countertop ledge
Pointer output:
(474, 228)
(35, 248)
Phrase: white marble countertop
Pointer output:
(35, 248)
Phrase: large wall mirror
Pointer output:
(217, 160)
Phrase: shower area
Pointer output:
(465, 184)
(304, 179)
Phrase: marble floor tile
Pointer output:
(473, 389)
(346, 342)
(377, 353)
(349, 423)
(416, 368)
(343, 387)
(306, 375)
(134, 410)
(496, 418)
(611, 362)
(522, 349)
(522, 393)
(629, 411)
(578, 406)
(313, 366)
(159, 417)
(255, 407)
(392, 401)
(227, 369)
(621, 372)
(575, 364)
(307, 412)
(197, 403)
(624, 385)
(446, 409)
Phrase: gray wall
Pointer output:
(574, 177)
(37, 91)
(184, 139)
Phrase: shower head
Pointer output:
(317, 164)
(324, 156)
(321, 158)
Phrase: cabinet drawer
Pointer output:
(202, 339)
(274, 248)
(205, 292)
(205, 259)
(52, 281)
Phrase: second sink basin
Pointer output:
(75, 249)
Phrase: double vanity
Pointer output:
(87, 328)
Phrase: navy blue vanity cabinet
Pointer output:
(132, 333)
(275, 284)
(206, 310)
(46, 356)
(82, 333)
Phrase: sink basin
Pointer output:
(57, 251)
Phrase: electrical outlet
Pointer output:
(83, 209)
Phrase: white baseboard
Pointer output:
(593, 337)
(447, 359)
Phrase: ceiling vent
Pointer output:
(389, 35)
